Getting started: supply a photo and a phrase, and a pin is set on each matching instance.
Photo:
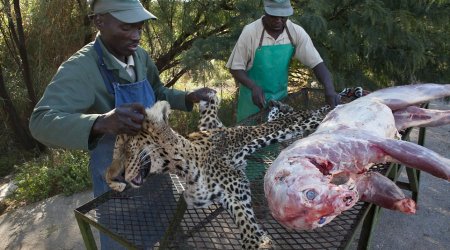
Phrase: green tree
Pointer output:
(376, 43)
(189, 34)
(36, 36)
(14, 40)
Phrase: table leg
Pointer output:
(86, 232)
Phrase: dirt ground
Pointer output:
(51, 224)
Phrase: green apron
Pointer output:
(270, 72)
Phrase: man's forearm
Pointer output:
(324, 76)
(242, 77)
(257, 92)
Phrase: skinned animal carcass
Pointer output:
(320, 176)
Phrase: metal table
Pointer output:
(155, 215)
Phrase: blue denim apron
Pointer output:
(101, 155)
(140, 92)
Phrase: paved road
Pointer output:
(50, 224)
(429, 228)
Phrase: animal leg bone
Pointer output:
(414, 116)
(415, 156)
(403, 96)
(380, 190)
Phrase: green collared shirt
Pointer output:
(77, 95)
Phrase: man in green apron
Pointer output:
(261, 57)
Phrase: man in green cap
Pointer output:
(103, 89)
(261, 57)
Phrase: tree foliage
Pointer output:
(189, 34)
(376, 43)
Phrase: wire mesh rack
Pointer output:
(143, 218)
(155, 216)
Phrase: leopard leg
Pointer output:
(209, 118)
(284, 126)
(231, 189)
(197, 192)
(278, 109)
(237, 202)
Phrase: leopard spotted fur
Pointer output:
(211, 161)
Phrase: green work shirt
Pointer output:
(77, 95)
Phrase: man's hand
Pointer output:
(204, 94)
(333, 99)
(126, 119)
(242, 77)
(258, 97)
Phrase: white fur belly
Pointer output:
(364, 114)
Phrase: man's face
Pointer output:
(121, 39)
(274, 23)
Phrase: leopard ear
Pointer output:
(286, 108)
(272, 103)
(165, 112)
(159, 112)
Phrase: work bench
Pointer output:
(155, 215)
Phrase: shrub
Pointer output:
(60, 171)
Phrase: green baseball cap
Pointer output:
(127, 11)
(278, 8)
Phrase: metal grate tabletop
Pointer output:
(142, 216)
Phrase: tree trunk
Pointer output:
(24, 57)
(88, 35)
(19, 127)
